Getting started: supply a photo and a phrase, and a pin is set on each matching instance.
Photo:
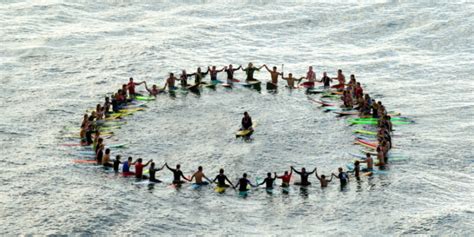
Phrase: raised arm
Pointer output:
(230, 182)
(173, 170)
(317, 176)
(148, 163)
(296, 171)
(182, 176)
(267, 68)
(312, 171)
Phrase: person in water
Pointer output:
(183, 78)
(322, 180)
(249, 71)
(342, 176)
(131, 87)
(244, 183)
(304, 176)
(370, 163)
(291, 80)
(170, 82)
(117, 163)
(154, 91)
(139, 168)
(268, 181)
(126, 166)
(221, 180)
(199, 175)
(213, 72)
(274, 74)
(285, 178)
(153, 171)
(341, 79)
(106, 158)
(311, 77)
(230, 73)
(177, 174)
(246, 122)
(199, 75)
(326, 80)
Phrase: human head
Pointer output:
(250, 64)
(353, 77)
(154, 87)
(213, 67)
(245, 175)
(117, 157)
(290, 75)
(323, 176)
(100, 140)
(221, 171)
(107, 151)
(178, 166)
(339, 71)
(310, 68)
(356, 163)
(107, 99)
(324, 74)
(152, 165)
(230, 66)
(139, 160)
(246, 114)
(131, 79)
(303, 169)
(286, 172)
(340, 169)
(200, 168)
(367, 155)
(199, 69)
(171, 74)
(130, 159)
(274, 68)
(269, 174)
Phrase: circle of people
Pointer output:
(352, 97)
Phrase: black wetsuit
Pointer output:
(199, 76)
(100, 153)
(177, 174)
(268, 183)
(153, 175)
(214, 75)
(243, 182)
(326, 80)
(230, 73)
(304, 178)
(221, 180)
(246, 122)
(116, 165)
(343, 177)
(250, 72)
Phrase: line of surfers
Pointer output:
(352, 97)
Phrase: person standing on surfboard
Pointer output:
(322, 180)
(243, 183)
(274, 74)
(285, 178)
(198, 175)
(177, 174)
(250, 70)
(304, 176)
(221, 179)
(230, 73)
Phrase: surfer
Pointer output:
(250, 70)
(246, 122)
(117, 163)
(126, 166)
(268, 181)
(285, 178)
(341, 79)
(154, 91)
(198, 175)
(342, 176)
(106, 158)
(199, 75)
(221, 179)
(183, 78)
(369, 161)
(177, 174)
(170, 82)
(131, 87)
(326, 80)
(322, 180)
(291, 80)
(230, 73)
(153, 171)
(213, 72)
(311, 77)
(139, 168)
(244, 183)
(274, 74)
(304, 176)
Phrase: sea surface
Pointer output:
(60, 58)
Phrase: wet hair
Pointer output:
(139, 160)
(131, 79)
(221, 171)
(340, 169)
(356, 163)
(367, 155)
(152, 164)
(117, 157)
(178, 166)
(286, 172)
(339, 70)
(269, 174)
(100, 140)
(129, 158)
(107, 151)
(245, 175)
(200, 168)
(323, 176)
(303, 169)
(274, 68)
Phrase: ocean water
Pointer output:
(58, 59)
